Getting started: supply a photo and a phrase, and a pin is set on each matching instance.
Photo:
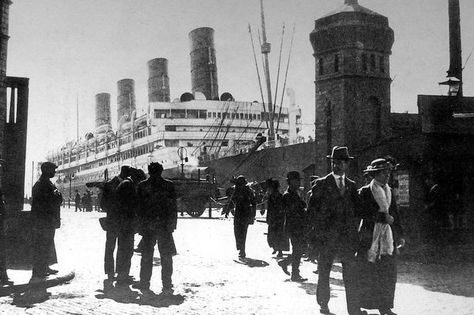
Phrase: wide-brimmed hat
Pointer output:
(293, 175)
(340, 153)
(378, 165)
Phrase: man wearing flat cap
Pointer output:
(332, 208)
(295, 212)
(157, 212)
(45, 215)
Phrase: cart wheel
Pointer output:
(196, 208)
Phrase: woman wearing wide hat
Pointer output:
(379, 235)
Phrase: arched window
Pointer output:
(321, 66)
(336, 63)
(364, 62)
(376, 107)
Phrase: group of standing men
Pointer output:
(147, 206)
(360, 227)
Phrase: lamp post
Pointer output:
(183, 155)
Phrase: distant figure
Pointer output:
(294, 205)
(276, 237)
(380, 233)
(116, 221)
(45, 215)
(157, 212)
(4, 280)
(77, 201)
(333, 208)
(436, 210)
(245, 210)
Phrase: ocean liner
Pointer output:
(182, 134)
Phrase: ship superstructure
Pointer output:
(180, 134)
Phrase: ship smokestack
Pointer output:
(203, 63)
(158, 80)
(125, 99)
(455, 53)
(102, 110)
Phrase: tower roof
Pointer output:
(351, 6)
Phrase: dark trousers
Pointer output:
(3, 258)
(43, 241)
(297, 248)
(349, 275)
(240, 232)
(167, 250)
(124, 239)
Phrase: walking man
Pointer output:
(77, 201)
(332, 206)
(117, 222)
(45, 215)
(157, 212)
(245, 211)
(295, 211)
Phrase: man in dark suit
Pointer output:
(295, 213)
(117, 221)
(332, 208)
(157, 212)
(45, 218)
(243, 198)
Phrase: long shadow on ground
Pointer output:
(123, 294)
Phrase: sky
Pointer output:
(72, 50)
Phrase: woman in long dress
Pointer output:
(380, 234)
(276, 237)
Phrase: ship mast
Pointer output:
(266, 47)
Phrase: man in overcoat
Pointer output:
(245, 210)
(45, 218)
(295, 224)
(157, 212)
(333, 206)
(117, 223)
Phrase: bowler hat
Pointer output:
(293, 175)
(48, 166)
(378, 165)
(340, 153)
(240, 180)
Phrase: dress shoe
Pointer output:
(387, 312)
(141, 286)
(242, 254)
(284, 267)
(324, 309)
(298, 278)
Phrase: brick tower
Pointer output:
(352, 46)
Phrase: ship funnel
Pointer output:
(455, 55)
(203, 63)
(102, 110)
(158, 80)
(125, 100)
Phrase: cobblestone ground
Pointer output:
(209, 280)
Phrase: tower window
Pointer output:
(364, 62)
(321, 66)
(336, 63)
(382, 64)
(372, 62)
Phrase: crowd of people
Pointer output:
(334, 220)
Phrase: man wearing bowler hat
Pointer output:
(295, 213)
(333, 204)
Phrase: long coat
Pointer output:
(333, 215)
(377, 280)
(276, 237)
(245, 203)
(46, 203)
